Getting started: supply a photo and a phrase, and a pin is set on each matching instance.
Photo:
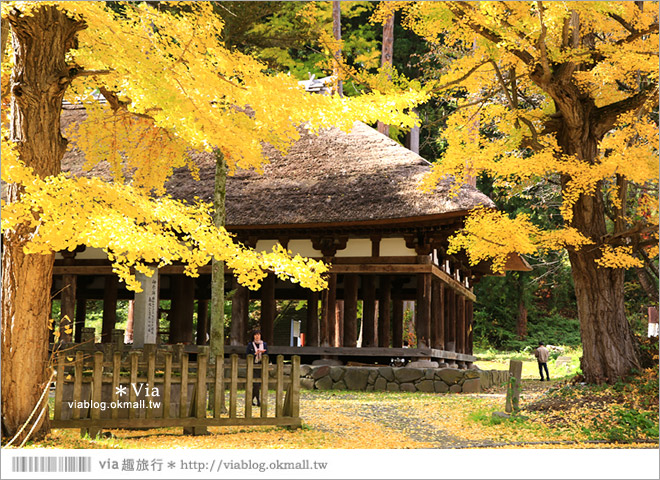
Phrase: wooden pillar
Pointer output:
(469, 316)
(338, 330)
(312, 337)
(81, 309)
(450, 320)
(268, 308)
(437, 316)
(397, 316)
(350, 310)
(109, 307)
(130, 319)
(328, 300)
(423, 310)
(384, 304)
(460, 324)
(202, 321)
(240, 303)
(368, 311)
(182, 309)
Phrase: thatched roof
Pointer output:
(360, 176)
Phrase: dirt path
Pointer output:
(398, 419)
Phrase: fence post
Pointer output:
(264, 386)
(219, 390)
(97, 385)
(295, 386)
(151, 380)
(131, 391)
(59, 387)
(167, 385)
(249, 379)
(116, 372)
(233, 386)
(183, 397)
(278, 385)
(199, 407)
(513, 388)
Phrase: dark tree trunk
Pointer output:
(39, 80)
(610, 349)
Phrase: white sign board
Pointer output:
(145, 313)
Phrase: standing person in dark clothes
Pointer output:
(542, 354)
(257, 347)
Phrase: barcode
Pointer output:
(51, 464)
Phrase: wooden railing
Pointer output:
(150, 390)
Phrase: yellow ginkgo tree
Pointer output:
(565, 92)
(171, 88)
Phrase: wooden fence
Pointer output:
(149, 390)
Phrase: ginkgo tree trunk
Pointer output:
(174, 88)
(566, 92)
(39, 81)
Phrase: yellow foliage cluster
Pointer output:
(490, 235)
(618, 257)
(610, 50)
(176, 88)
(138, 231)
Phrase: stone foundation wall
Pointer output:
(404, 379)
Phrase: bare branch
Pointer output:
(87, 73)
(459, 80)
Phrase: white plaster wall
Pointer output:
(265, 245)
(303, 248)
(356, 247)
(395, 247)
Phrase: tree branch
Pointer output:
(605, 117)
(540, 44)
(462, 14)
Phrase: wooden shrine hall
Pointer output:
(350, 199)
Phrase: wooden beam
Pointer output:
(437, 315)
(338, 328)
(239, 315)
(109, 307)
(350, 310)
(368, 311)
(268, 308)
(423, 310)
(384, 305)
(312, 337)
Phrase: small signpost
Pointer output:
(145, 323)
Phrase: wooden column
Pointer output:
(397, 316)
(202, 321)
(67, 307)
(450, 320)
(461, 331)
(368, 311)
(338, 330)
(109, 307)
(182, 309)
(312, 337)
(469, 316)
(268, 308)
(350, 310)
(437, 316)
(81, 309)
(384, 304)
(328, 300)
(239, 315)
(423, 310)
